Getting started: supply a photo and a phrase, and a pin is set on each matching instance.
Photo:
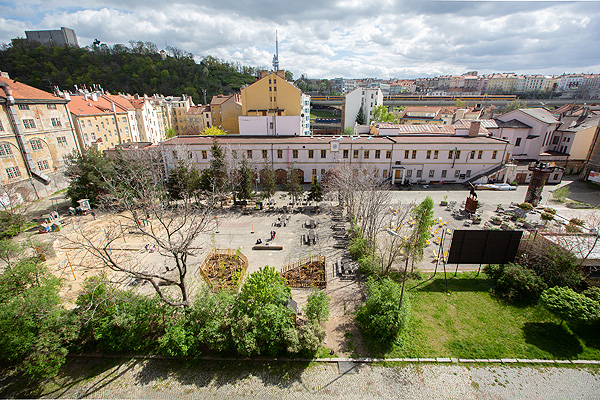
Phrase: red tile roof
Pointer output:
(21, 91)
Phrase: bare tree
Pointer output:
(138, 194)
(391, 247)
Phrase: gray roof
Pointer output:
(513, 123)
(540, 114)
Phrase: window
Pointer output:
(42, 165)
(23, 106)
(388, 154)
(204, 154)
(270, 125)
(414, 154)
(457, 173)
(428, 156)
(472, 154)
(279, 153)
(457, 154)
(51, 106)
(345, 154)
(468, 174)
(419, 173)
(294, 153)
(385, 173)
(323, 153)
(5, 150)
(431, 173)
(518, 142)
(479, 154)
(494, 154)
(406, 152)
(555, 140)
(450, 154)
(275, 89)
(377, 153)
(311, 154)
(36, 144)
(366, 154)
(355, 154)
(555, 177)
(249, 153)
(314, 172)
(89, 122)
(435, 154)
(444, 172)
(190, 154)
(29, 124)
(409, 173)
(124, 119)
(13, 172)
(322, 172)
(62, 140)
(265, 154)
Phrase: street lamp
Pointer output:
(394, 233)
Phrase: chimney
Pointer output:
(67, 96)
(281, 73)
(94, 97)
(4, 74)
(262, 74)
(474, 128)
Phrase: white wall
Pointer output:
(271, 125)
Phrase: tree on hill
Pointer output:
(137, 68)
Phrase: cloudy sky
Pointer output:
(342, 38)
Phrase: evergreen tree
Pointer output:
(268, 181)
(246, 179)
(87, 172)
(360, 116)
(292, 185)
(316, 190)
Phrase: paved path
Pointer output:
(172, 380)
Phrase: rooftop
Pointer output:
(21, 91)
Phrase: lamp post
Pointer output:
(393, 233)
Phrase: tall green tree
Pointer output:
(245, 180)
(184, 181)
(316, 190)
(268, 181)
(382, 114)
(360, 117)
(292, 184)
(422, 218)
(214, 179)
(87, 173)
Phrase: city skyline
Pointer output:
(351, 39)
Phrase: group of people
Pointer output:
(149, 248)
(272, 233)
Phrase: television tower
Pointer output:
(276, 55)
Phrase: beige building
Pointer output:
(103, 121)
(36, 133)
(196, 119)
(225, 111)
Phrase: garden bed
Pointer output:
(306, 273)
(224, 268)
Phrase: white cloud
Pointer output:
(351, 38)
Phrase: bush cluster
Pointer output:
(515, 283)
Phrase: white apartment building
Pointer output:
(360, 98)
(414, 158)
(147, 119)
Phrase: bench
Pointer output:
(267, 246)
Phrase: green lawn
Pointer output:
(471, 323)
(314, 114)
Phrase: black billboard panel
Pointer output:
(484, 247)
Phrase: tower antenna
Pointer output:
(276, 55)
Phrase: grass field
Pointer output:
(322, 114)
(471, 323)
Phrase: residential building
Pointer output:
(415, 158)
(364, 99)
(148, 120)
(59, 38)
(273, 106)
(102, 121)
(36, 133)
(225, 111)
(197, 119)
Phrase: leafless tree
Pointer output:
(579, 240)
(363, 196)
(138, 195)
(391, 247)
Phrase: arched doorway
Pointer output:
(300, 175)
(280, 176)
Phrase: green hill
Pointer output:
(138, 68)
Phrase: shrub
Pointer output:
(11, 224)
(550, 210)
(379, 317)
(515, 283)
(547, 216)
(526, 206)
(569, 305)
(317, 306)
(576, 221)
(368, 265)
(593, 293)
(514, 183)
